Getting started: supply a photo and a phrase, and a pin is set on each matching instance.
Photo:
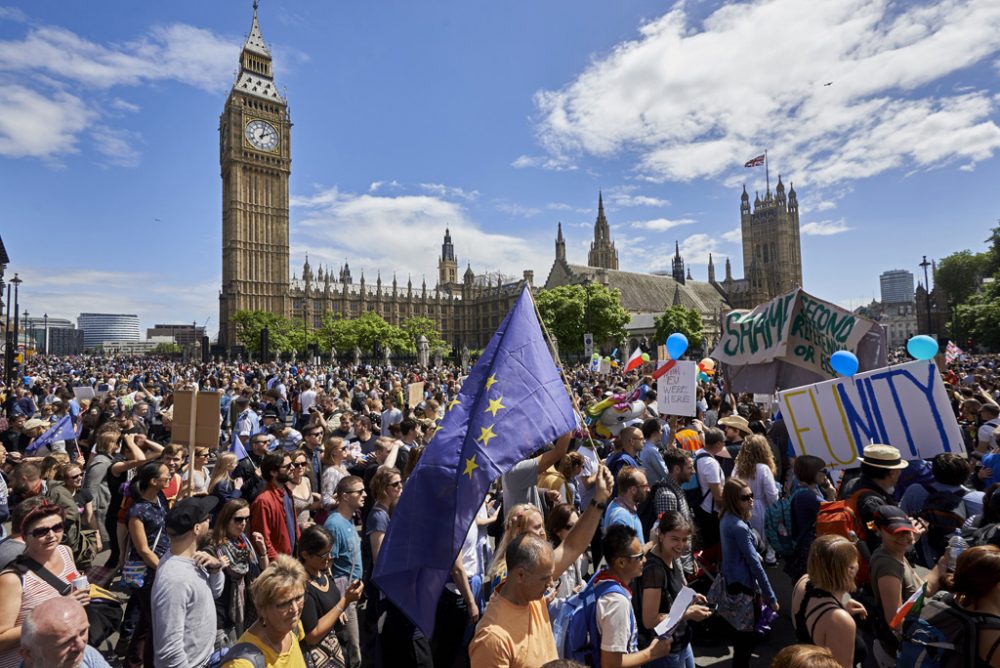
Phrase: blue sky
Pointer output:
(498, 120)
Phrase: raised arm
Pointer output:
(580, 536)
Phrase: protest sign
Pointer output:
(84, 393)
(414, 394)
(905, 406)
(787, 342)
(676, 390)
(196, 418)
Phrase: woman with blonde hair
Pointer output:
(197, 473)
(822, 606)
(755, 466)
(279, 596)
(221, 484)
(521, 519)
(805, 656)
(335, 451)
(51, 465)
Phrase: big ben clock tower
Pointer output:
(255, 156)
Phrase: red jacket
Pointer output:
(267, 515)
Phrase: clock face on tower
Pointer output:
(261, 135)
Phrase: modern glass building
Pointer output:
(100, 327)
(897, 286)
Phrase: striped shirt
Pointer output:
(35, 591)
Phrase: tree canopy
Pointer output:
(564, 311)
(971, 282)
(681, 319)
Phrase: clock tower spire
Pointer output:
(255, 160)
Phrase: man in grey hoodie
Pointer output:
(187, 582)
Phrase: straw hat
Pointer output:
(883, 457)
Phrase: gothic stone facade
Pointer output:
(255, 155)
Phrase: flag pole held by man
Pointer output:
(512, 403)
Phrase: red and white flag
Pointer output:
(634, 360)
(952, 352)
(755, 162)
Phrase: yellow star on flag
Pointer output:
(470, 466)
(494, 406)
(454, 402)
(491, 380)
(486, 433)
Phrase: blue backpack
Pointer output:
(778, 525)
(575, 625)
(241, 650)
(943, 635)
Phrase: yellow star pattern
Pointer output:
(486, 433)
(491, 380)
(454, 402)
(470, 466)
(494, 406)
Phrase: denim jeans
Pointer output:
(681, 659)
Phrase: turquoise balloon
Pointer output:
(922, 347)
(844, 362)
(677, 344)
(702, 377)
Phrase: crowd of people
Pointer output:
(121, 547)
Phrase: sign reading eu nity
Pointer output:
(905, 406)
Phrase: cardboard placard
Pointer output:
(676, 390)
(86, 392)
(905, 406)
(196, 418)
(414, 394)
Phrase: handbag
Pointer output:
(134, 570)
(738, 610)
(86, 551)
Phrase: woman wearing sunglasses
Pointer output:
(22, 589)
(300, 487)
(234, 611)
(71, 476)
(742, 574)
(323, 608)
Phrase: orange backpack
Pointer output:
(840, 518)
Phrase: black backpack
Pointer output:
(647, 509)
(945, 514)
(943, 635)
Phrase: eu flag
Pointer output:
(512, 403)
(60, 431)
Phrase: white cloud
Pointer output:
(520, 210)
(39, 126)
(627, 196)
(733, 236)
(824, 228)
(661, 224)
(72, 291)
(453, 192)
(404, 233)
(695, 248)
(116, 145)
(554, 164)
(696, 99)
(558, 206)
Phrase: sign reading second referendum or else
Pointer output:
(905, 406)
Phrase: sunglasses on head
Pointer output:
(42, 532)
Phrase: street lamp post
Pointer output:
(927, 294)
(27, 332)
(45, 344)
(12, 340)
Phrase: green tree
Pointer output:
(564, 311)
(249, 325)
(418, 326)
(960, 274)
(166, 349)
(681, 319)
(363, 331)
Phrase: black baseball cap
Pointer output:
(188, 512)
(893, 519)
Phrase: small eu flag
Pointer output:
(60, 431)
(512, 403)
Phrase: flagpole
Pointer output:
(767, 174)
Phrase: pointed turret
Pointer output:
(689, 276)
(677, 297)
(602, 250)
(256, 76)
(307, 274)
(560, 244)
(677, 265)
(729, 270)
(779, 192)
(793, 199)
(469, 275)
(711, 269)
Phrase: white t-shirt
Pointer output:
(987, 433)
(306, 401)
(709, 472)
(614, 621)
(591, 462)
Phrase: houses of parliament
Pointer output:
(255, 159)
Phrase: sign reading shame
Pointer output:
(796, 328)
(905, 406)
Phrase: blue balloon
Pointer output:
(922, 347)
(844, 362)
(677, 344)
